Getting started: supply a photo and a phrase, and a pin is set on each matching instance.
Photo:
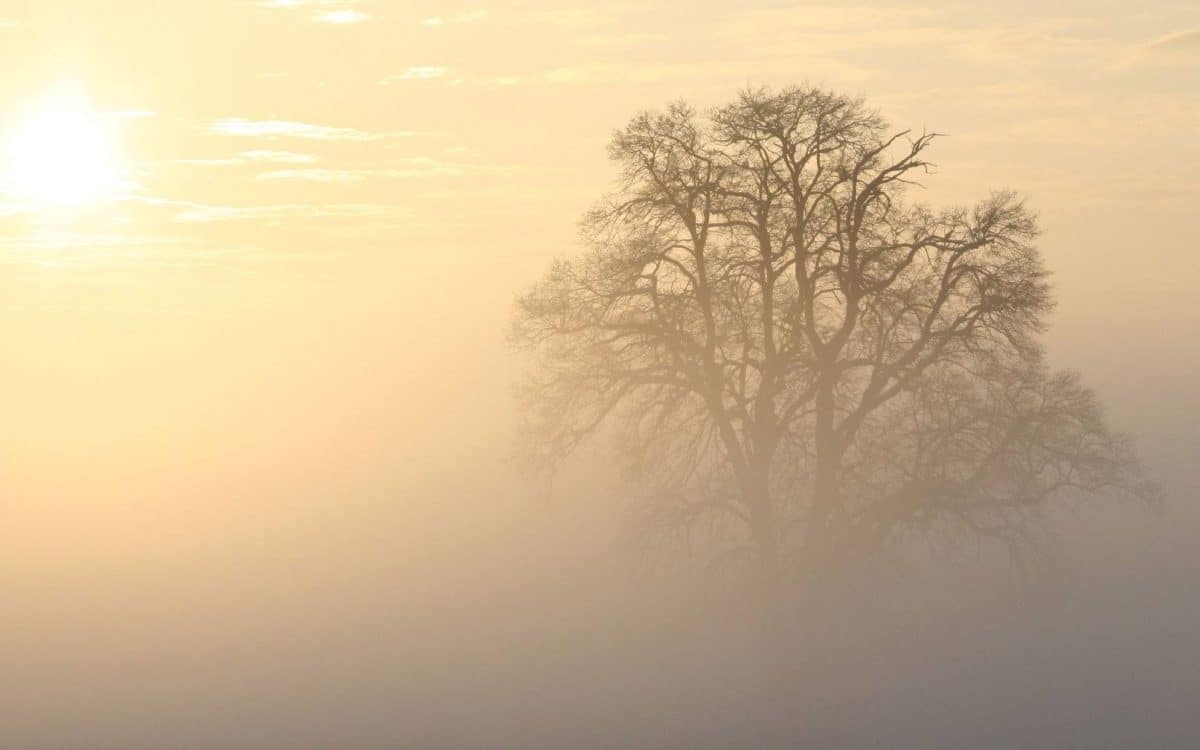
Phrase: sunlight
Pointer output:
(62, 154)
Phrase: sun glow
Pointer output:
(62, 154)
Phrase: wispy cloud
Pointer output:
(410, 168)
(417, 73)
(131, 114)
(733, 70)
(1180, 41)
(620, 40)
(237, 126)
(343, 17)
(322, 175)
(581, 18)
(840, 31)
(258, 156)
(468, 17)
(198, 213)
(293, 4)
(339, 12)
(1180, 47)
(811, 18)
(1176, 48)
(277, 157)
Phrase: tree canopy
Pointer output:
(802, 363)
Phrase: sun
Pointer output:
(62, 154)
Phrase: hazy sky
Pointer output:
(327, 183)
(265, 382)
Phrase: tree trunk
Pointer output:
(818, 539)
(765, 536)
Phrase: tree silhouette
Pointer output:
(802, 365)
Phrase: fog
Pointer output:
(248, 534)
(256, 487)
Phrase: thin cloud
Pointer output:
(468, 17)
(338, 12)
(277, 157)
(812, 18)
(417, 73)
(342, 17)
(131, 114)
(1178, 47)
(257, 156)
(210, 162)
(620, 40)
(734, 71)
(294, 4)
(198, 213)
(839, 30)
(411, 168)
(1178, 42)
(320, 175)
(581, 18)
(504, 81)
(237, 126)
(417, 169)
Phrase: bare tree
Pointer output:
(803, 365)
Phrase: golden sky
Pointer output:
(260, 129)
(323, 208)
(406, 149)
(271, 336)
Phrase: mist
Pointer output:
(257, 475)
